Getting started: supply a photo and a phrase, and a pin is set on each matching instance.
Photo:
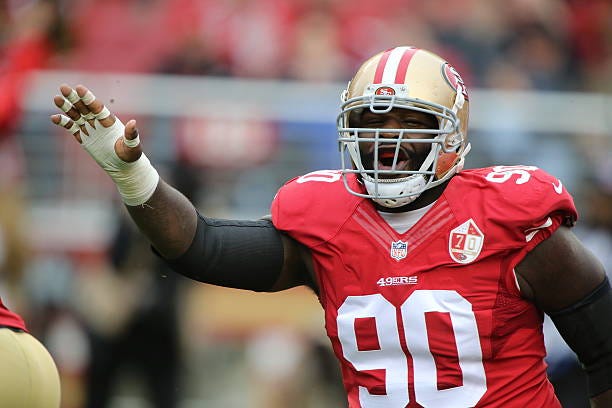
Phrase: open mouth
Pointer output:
(387, 157)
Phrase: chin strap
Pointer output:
(405, 191)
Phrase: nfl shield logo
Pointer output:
(399, 250)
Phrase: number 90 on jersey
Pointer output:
(390, 356)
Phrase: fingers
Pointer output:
(80, 106)
(72, 97)
(67, 123)
(102, 134)
(131, 138)
(128, 147)
(93, 106)
(70, 111)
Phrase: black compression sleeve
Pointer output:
(234, 254)
(587, 329)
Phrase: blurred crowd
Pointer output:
(125, 302)
(543, 44)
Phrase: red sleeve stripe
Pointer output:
(393, 65)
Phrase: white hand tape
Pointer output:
(131, 142)
(64, 120)
(74, 128)
(80, 121)
(73, 97)
(66, 106)
(103, 114)
(135, 181)
(89, 116)
(88, 98)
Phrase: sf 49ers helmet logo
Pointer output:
(465, 242)
(385, 91)
(454, 79)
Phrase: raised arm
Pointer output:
(162, 213)
(168, 219)
(239, 254)
(568, 283)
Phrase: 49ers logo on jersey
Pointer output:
(465, 242)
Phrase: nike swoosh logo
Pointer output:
(530, 232)
(558, 187)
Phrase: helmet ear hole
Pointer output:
(446, 161)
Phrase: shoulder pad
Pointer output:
(311, 208)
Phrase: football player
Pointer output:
(434, 279)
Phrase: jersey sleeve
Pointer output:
(530, 205)
(311, 208)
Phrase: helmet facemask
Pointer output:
(385, 181)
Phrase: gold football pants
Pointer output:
(28, 375)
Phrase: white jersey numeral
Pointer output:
(501, 174)
(326, 176)
(390, 356)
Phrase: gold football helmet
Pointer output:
(403, 78)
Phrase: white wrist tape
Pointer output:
(135, 181)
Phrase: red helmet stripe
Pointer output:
(402, 67)
(380, 68)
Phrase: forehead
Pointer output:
(399, 113)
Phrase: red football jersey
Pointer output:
(432, 317)
(10, 319)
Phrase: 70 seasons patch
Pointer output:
(465, 242)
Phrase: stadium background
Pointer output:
(233, 98)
